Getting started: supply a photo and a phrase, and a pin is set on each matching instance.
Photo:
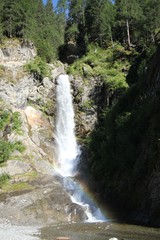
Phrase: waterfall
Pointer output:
(67, 148)
(68, 151)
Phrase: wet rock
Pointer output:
(87, 98)
(15, 167)
(57, 70)
(16, 94)
(45, 203)
(62, 238)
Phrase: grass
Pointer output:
(19, 186)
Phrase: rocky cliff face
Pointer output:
(33, 194)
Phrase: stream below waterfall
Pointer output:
(100, 231)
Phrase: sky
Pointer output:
(54, 2)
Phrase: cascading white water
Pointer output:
(68, 151)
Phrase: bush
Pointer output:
(10, 119)
(38, 68)
(111, 65)
(2, 70)
(9, 122)
(5, 150)
(16, 122)
(4, 178)
(4, 119)
(19, 146)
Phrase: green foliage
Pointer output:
(12, 120)
(87, 105)
(110, 65)
(4, 119)
(19, 146)
(16, 122)
(5, 150)
(2, 70)
(32, 21)
(9, 122)
(38, 68)
(3, 179)
(75, 29)
(99, 18)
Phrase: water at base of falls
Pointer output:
(68, 151)
(80, 197)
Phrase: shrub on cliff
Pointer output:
(110, 65)
(4, 177)
(9, 122)
(38, 68)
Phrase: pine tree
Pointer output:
(99, 17)
(107, 17)
(1, 15)
(75, 30)
(151, 21)
(24, 19)
(129, 14)
(8, 18)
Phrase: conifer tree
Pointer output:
(61, 16)
(75, 30)
(24, 19)
(1, 15)
(129, 14)
(151, 21)
(99, 17)
(8, 18)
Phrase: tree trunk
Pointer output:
(128, 33)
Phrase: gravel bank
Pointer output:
(10, 232)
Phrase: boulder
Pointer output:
(62, 238)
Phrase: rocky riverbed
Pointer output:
(100, 231)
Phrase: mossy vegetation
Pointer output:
(87, 105)
(19, 186)
(18, 182)
(110, 65)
